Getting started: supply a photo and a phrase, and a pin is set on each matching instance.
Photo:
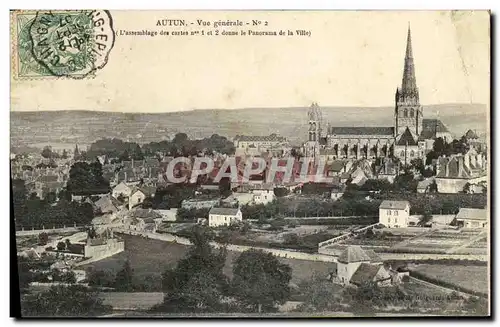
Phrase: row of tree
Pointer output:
(180, 145)
(32, 212)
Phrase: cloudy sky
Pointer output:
(350, 59)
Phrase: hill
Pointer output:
(66, 128)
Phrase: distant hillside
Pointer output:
(66, 128)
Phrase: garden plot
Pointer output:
(381, 237)
(467, 278)
(439, 241)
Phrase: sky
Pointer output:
(350, 59)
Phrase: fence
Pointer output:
(344, 236)
(28, 232)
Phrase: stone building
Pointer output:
(411, 136)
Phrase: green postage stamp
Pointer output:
(60, 44)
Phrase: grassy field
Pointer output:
(473, 278)
(152, 257)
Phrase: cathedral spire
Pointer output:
(409, 84)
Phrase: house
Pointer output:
(387, 170)
(472, 218)
(139, 194)
(254, 145)
(136, 197)
(143, 220)
(356, 266)
(336, 168)
(337, 192)
(200, 203)
(456, 171)
(425, 185)
(263, 196)
(394, 214)
(121, 189)
(168, 214)
(359, 177)
(224, 216)
(238, 198)
(106, 205)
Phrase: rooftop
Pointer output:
(472, 214)
(256, 138)
(361, 130)
(430, 127)
(365, 273)
(354, 253)
(390, 204)
(224, 211)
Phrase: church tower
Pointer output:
(314, 131)
(408, 112)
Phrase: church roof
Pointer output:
(409, 83)
(430, 127)
(361, 130)
(406, 138)
(354, 253)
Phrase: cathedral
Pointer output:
(410, 137)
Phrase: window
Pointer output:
(406, 113)
(412, 153)
(395, 220)
(388, 212)
(395, 212)
(389, 220)
(402, 154)
(412, 113)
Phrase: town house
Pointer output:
(394, 214)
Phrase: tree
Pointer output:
(197, 283)
(71, 301)
(291, 238)
(320, 294)
(433, 187)
(47, 153)
(260, 281)
(100, 278)
(467, 188)
(51, 197)
(225, 187)
(427, 216)
(124, 278)
(61, 246)
(87, 179)
(43, 238)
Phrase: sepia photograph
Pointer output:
(250, 164)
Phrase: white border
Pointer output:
(193, 4)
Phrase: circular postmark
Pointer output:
(72, 43)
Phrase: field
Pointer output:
(152, 257)
(472, 278)
(441, 241)
(420, 240)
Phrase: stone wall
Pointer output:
(112, 247)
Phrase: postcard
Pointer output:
(254, 164)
